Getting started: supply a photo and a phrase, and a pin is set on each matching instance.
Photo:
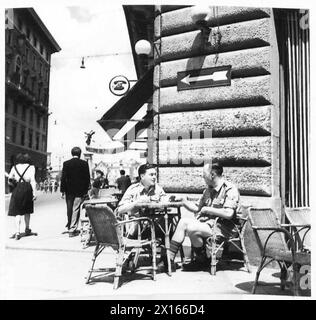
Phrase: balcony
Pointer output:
(18, 90)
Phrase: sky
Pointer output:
(79, 97)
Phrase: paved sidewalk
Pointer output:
(53, 266)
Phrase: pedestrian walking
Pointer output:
(75, 183)
(23, 194)
(55, 186)
(51, 186)
(45, 186)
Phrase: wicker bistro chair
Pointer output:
(216, 244)
(299, 225)
(109, 233)
(276, 244)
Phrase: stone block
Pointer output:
(179, 21)
(249, 180)
(245, 63)
(242, 92)
(223, 122)
(167, 8)
(237, 36)
(228, 151)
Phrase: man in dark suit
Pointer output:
(75, 183)
(123, 182)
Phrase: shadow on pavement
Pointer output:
(23, 234)
(271, 288)
(108, 277)
(264, 288)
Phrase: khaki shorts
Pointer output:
(220, 229)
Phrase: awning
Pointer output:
(124, 109)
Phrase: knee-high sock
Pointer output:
(174, 247)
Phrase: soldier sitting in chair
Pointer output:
(220, 199)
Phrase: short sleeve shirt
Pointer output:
(225, 196)
(136, 190)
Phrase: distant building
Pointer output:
(28, 49)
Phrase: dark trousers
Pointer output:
(73, 211)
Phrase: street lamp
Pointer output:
(200, 17)
(100, 56)
(82, 64)
(143, 47)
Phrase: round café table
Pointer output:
(155, 211)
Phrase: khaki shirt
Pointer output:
(226, 195)
(136, 190)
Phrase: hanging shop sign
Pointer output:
(203, 78)
(119, 85)
(105, 150)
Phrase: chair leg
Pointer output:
(246, 259)
(89, 237)
(118, 270)
(213, 257)
(95, 254)
(257, 275)
(153, 251)
(296, 278)
(137, 251)
(154, 262)
(136, 257)
(283, 277)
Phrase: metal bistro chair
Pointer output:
(299, 223)
(276, 244)
(109, 233)
(215, 244)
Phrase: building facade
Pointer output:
(28, 49)
(257, 125)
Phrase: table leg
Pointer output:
(181, 247)
(167, 241)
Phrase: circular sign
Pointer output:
(119, 85)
